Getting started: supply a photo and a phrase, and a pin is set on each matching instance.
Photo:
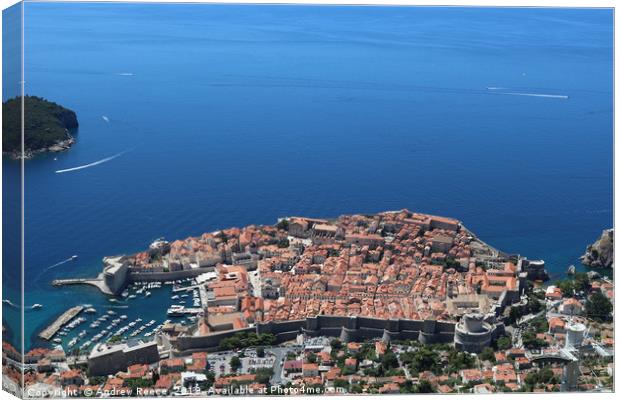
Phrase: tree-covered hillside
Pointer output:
(45, 124)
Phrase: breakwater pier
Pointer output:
(67, 316)
(97, 282)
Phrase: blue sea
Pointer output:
(212, 116)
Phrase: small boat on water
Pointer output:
(74, 257)
(90, 310)
(36, 306)
(176, 310)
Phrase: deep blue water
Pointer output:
(233, 115)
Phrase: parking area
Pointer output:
(219, 363)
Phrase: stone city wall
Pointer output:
(346, 328)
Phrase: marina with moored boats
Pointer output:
(103, 323)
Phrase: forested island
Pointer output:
(47, 126)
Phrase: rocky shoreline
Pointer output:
(57, 147)
(600, 254)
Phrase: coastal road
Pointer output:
(280, 355)
(530, 317)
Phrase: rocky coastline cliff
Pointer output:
(600, 254)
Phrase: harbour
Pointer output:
(123, 318)
(67, 316)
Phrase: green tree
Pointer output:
(546, 375)
(504, 343)
(282, 224)
(389, 360)
(97, 380)
(458, 360)
(347, 370)
(210, 378)
(356, 388)
(543, 376)
(235, 363)
(263, 375)
(424, 359)
(487, 354)
(530, 340)
(582, 282)
(246, 339)
(531, 378)
(341, 383)
(599, 308)
(567, 287)
(135, 383)
(424, 387)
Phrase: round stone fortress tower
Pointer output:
(473, 333)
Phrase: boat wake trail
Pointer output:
(58, 264)
(550, 96)
(10, 303)
(105, 160)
